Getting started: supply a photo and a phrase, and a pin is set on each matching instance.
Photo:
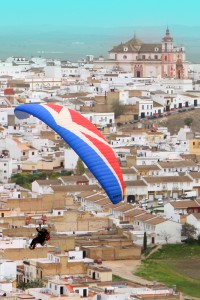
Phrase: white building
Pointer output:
(158, 229)
(145, 107)
(70, 159)
(194, 219)
(175, 209)
(6, 169)
(53, 70)
(101, 119)
(8, 269)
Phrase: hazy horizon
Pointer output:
(75, 43)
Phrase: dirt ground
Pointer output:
(125, 268)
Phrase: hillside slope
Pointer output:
(176, 121)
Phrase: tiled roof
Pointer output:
(166, 179)
(73, 178)
(132, 45)
(85, 194)
(135, 212)
(184, 204)
(95, 198)
(144, 217)
(156, 104)
(21, 145)
(89, 174)
(49, 182)
(195, 175)
(150, 48)
(177, 164)
(75, 188)
(197, 216)
(111, 205)
(128, 171)
(103, 201)
(156, 221)
(124, 207)
(135, 183)
(147, 167)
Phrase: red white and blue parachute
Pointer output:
(85, 139)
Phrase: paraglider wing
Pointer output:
(85, 139)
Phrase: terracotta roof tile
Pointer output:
(156, 221)
(184, 203)
(135, 183)
(166, 179)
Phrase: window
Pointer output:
(33, 153)
(125, 49)
(156, 56)
(124, 57)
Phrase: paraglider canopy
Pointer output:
(85, 139)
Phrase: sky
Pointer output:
(75, 28)
(98, 13)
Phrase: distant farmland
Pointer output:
(177, 264)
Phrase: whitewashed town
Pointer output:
(145, 100)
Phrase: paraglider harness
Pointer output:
(41, 238)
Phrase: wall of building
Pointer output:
(22, 253)
(44, 203)
(113, 253)
(62, 268)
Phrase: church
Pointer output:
(163, 60)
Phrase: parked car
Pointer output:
(160, 202)
(144, 201)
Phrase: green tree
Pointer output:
(118, 109)
(188, 231)
(145, 241)
(80, 169)
(188, 121)
(32, 284)
(25, 179)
